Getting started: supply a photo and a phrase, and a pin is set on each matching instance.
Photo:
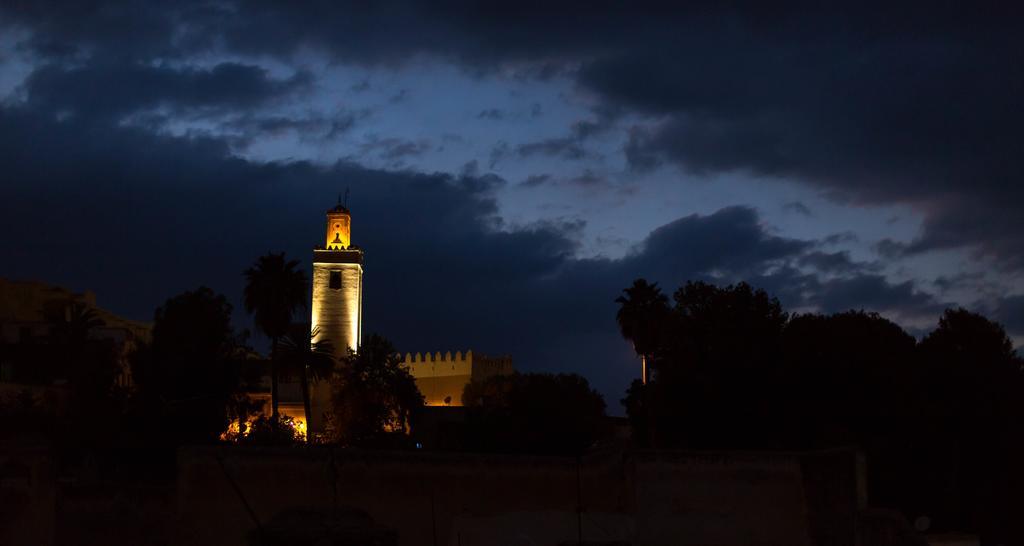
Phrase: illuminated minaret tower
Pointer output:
(337, 299)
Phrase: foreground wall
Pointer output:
(791, 499)
(27, 496)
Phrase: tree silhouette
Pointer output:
(375, 395)
(854, 369)
(937, 419)
(715, 369)
(275, 288)
(642, 317)
(72, 321)
(533, 413)
(71, 324)
(188, 373)
(972, 378)
(311, 361)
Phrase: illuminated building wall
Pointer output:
(337, 305)
(442, 378)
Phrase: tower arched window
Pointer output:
(335, 281)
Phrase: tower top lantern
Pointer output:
(339, 228)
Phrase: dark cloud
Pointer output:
(536, 180)
(1010, 312)
(565, 148)
(589, 179)
(138, 216)
(402, 96)
(394, 149)
(873, 104)
(638, 151)
(571, 147)
(309, 128)
(832, 262)
(959, 281)
(123, 29)
(869, 105)
(107, 91)
(498, 152)
(492, 114)
(584, 129)
(876, 293)
(798, 208)
(841, 237)
(890, 249)
(470, 169)
(730, 243)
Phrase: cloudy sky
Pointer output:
(512, 169)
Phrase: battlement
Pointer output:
(442, 377)
(338, 248)
(349, 255)
(437, 357)
(479, 363)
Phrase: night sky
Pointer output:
(511, 170)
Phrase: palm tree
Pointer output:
(311, 360)
(73, 322)
(275, 288)
(641, 318)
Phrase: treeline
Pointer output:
(939, 419)
(197, 376)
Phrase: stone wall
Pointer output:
(442, 377)
(28, 496)
(648, 498)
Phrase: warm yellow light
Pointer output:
(296, 420)
(339, 229)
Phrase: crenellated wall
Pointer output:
(442, 377)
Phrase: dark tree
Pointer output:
(72, 322)
(850, 379)
(310, 361)
(275, 288)
(716, 371)
(939, 420)
(642, 317)
(972, 423)
(189, 372)
(533, 413)
(375, 397)
(854, 369)
(88, 366)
